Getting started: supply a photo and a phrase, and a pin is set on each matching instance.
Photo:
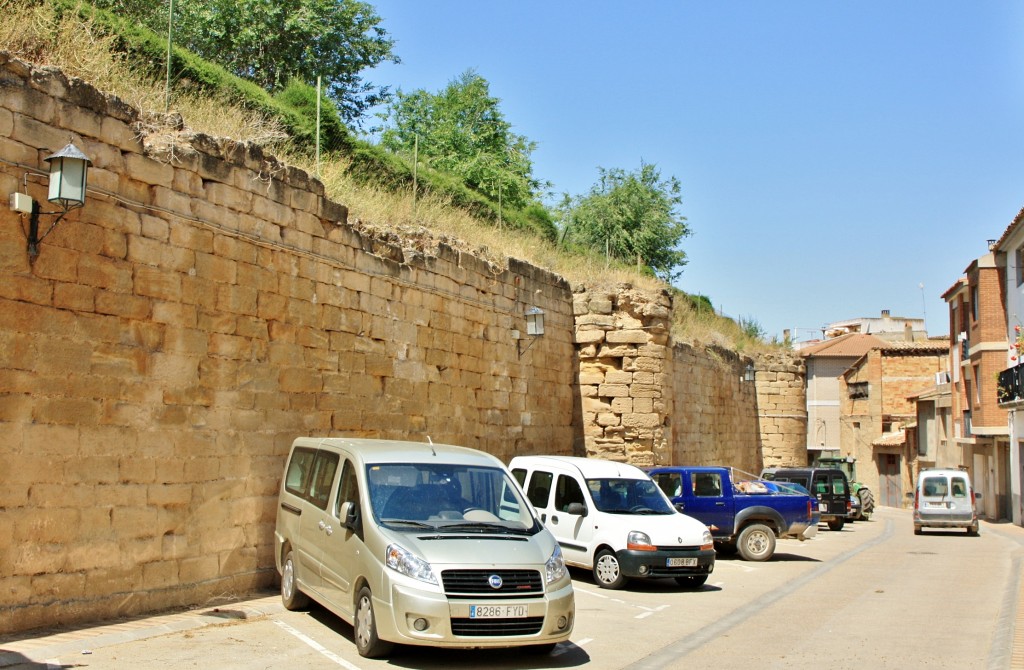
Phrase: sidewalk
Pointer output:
(29, 652)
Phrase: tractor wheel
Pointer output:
(867, 502)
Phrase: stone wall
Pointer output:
(714, 418)
(622, 337)
(204, 308)
(782, 409)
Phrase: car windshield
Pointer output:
(628, 496)
(457, 498)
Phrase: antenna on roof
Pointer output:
(431, 442)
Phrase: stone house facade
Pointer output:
(876, 396)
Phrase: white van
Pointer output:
(420, 544)
(944, 499)
(612, 519)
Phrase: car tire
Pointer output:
(973, 530)
(608, 570)
(836, 524)
(918, 530)
(291, 596)
(692, 581)
(756, 542)
(364, 628)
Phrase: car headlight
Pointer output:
(554, 569)
(404, 561)
(639, 541)
(707, 542)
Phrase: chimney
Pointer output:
(885, 314)
(908, 332)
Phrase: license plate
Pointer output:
(498, 611)
(680, 562)
(934, 505)
(822, 507)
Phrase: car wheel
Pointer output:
(973, 530)
(756, 542)
(364, 628)
(918, 530)
(836, 524)
(692, 582)
(607, 571)
(292, 597)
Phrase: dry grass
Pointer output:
(34, 33)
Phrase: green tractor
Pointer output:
(848, 464)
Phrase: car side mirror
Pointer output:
(579, 509)
(349, 515)
(680, 507)
(977, 496)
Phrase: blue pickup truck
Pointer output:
(745, 516)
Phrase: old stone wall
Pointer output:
(782, 409)
(622, 337)
(714, 415)
(204, 308)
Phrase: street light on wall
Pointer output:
(534, 328)
(69, 170)
(749, 373)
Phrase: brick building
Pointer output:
(877, 403)
(978, 352)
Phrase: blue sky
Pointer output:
(833, 156)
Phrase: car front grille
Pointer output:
(477, 582)
(489, 627)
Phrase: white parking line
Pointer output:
(317, 646)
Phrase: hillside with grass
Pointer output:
(388, 196)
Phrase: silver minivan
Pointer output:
(419, 544)
(944, 499)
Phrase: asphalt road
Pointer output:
(871, 596)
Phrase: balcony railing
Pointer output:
(1011, 384)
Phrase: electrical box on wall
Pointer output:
(21, 202)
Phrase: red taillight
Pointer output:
(810, 510)
(917, 492)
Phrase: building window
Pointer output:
(977, 385)
(1019, 260)
(974, 304)
(858, 390)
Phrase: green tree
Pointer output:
(461, 130)
(631, 217)
(271, 42)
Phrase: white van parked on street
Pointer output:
(611, 518)
(944, 499)
(420, 544)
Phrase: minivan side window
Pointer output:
(324, 467)
(567, 492)
(540, 488)
(348, 489)
(520, 475)
(296, 480)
